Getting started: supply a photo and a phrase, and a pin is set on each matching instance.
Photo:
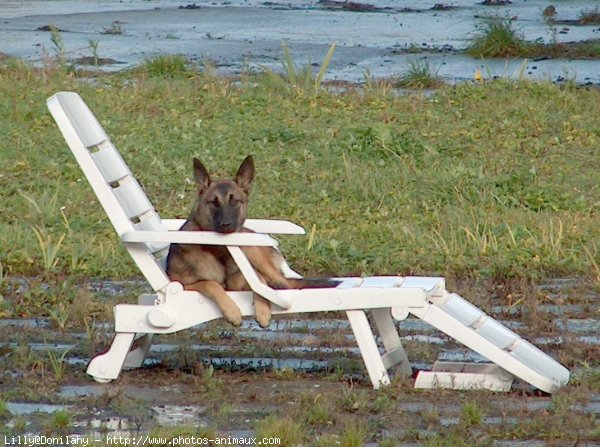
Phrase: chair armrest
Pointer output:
(254, 281)
(200, 238)
(273, 226)
(172, 224)
(268, 226)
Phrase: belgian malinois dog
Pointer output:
(222, 206)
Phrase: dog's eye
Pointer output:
(215, 202)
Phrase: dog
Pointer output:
(222, 206)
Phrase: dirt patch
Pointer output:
(307, 373)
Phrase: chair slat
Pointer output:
(152, 223)
(131, 197)
(110, 163)
(82, 119)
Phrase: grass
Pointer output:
(57, 363)
(590, 16)
(166, 66)
(494, 180)
(498, 37)
(298, 80)
(420, 74)
(59, 422)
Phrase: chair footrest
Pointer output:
(465, 376)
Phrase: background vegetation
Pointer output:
(498, 180)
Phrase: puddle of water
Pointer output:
(425, 339)
(590, 339)
(170, 415)
(19, 409)
(579, 325)
(256, 363)
(25, 323)
(77, 391)
(461, 355)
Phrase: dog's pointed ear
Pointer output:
(245, 174)
(201, 176)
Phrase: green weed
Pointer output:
(19, 425)
(290, 432)
(471, 414)
(4, 412)
(49, 247)
(57, 362)
(375, 87)
(299, 80)
(457, 440)
(93, 43)
(59, 315)
(59, 421)
(3, 280)
(420, 74)
(59, 46)
(353, 435)
(590, 16)
(498, 38)
(167, 66)
(208, 381)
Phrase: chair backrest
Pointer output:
(120, 194)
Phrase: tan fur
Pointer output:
(209, 269)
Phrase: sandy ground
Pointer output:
(239, 35)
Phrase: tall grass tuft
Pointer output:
(49, 246)
(167, 66)
(299, 80)
(289, 431)
(590, 16)
(420, 74)
(498, 38)
(59, 46)
(57, 362)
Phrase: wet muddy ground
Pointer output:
(382, 37)
(226, 379)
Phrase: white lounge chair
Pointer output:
(170, 308)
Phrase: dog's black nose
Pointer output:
(226, 227)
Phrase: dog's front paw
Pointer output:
(262, 311)
(263, 320)
(233, 315)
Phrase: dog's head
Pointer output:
(222, 205)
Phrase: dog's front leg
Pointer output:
(261, 259)
(216, 292)
(262, 307)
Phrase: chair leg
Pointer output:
(108, 365)
(368, 348)
(138, 351)
(395, 354)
